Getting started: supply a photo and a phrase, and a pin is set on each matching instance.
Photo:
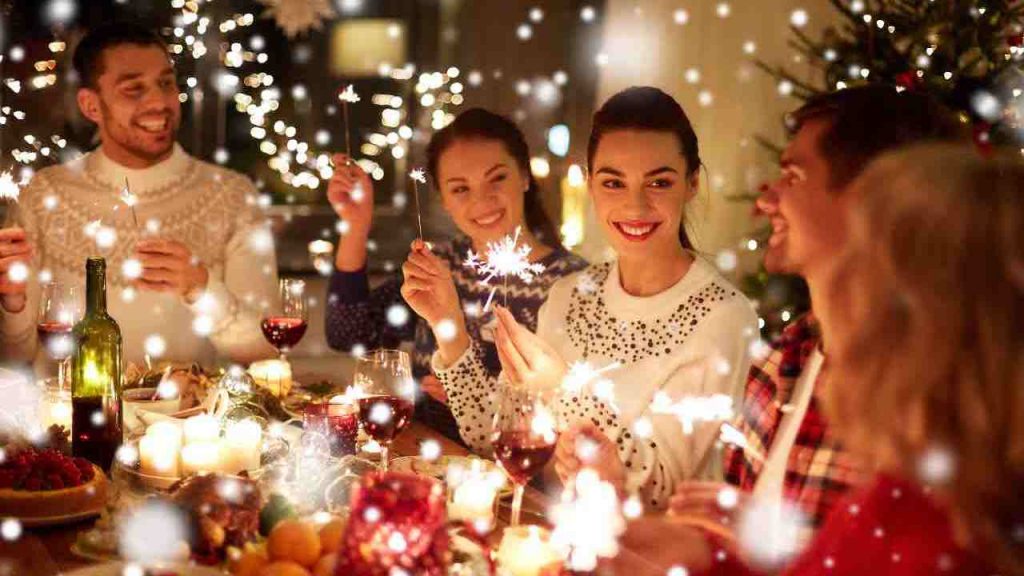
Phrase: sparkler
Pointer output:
(418, 177)
(692, 409)
(10, 190)
(347, 96)
(504, 258)
(582, 375)
(130, 200)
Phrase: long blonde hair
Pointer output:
(932, 362)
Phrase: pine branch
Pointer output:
(782, 74)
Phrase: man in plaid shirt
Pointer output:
(790, 452)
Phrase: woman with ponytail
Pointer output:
(480, 164)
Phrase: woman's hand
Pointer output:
(585, 446)
(432, 387)
(14, 248)
(525, 357)
(429, 290)
(350, 192)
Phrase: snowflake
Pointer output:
(503, 259)
(297, 17)
(9, 189)
(348, 95)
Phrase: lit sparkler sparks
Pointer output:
(504, 258)
(10, 190)
(692, 409)
(588, 521)
(582, 375)
(418, 177)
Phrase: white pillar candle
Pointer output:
(202, 457)
(201, 428)
(473, 500)
(158, 455)
(243, 441)
(274, 375)
(527, 551)
(58, 408)
(168, 430)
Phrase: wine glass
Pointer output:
(60, 306)
(524, 436)
(389, 392)
(285, 324)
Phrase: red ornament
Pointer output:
(908, 80)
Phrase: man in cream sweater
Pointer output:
(190, 268)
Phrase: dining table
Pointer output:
(46, 551)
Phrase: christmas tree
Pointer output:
(966, 53)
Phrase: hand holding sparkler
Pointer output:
(525, 357)
(429, 290)
(585, 446)
(15, 254)
(711, 502)
(350, 192)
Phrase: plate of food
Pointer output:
(445, 468)
(43, 487)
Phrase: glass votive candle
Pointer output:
(56, 409)
(397, 522)
(527, 551)
(339, 423)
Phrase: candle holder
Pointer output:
(397, 522)
(528, 551)
(339, 423)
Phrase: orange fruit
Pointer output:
(249, 563)
(330, 536)
(295, 541)
(283, 569)
(326, 565)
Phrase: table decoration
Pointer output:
(338, 421)
(273, 375)
(56, 409)
(397, 522)
(473, 492)
(147, 399)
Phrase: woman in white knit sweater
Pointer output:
(664, 320)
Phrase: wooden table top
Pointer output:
(47, 551)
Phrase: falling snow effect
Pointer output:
(771, 532)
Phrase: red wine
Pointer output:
(522, 454)
(95, 429)
(283, 332)
(55, 337)
(339, 423)
(384, 417)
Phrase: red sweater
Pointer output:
(889, 528)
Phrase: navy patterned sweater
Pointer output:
(357, 316)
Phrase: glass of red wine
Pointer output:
(389, 393)
(60, 307)
(524, 436)
(285, 324)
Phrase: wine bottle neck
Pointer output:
(96, 286)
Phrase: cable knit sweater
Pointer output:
(689, 340)
(210, 209)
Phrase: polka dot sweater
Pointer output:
(689, 340)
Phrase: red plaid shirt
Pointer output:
(818, 471)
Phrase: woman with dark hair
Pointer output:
(480, 164)
(660, 322)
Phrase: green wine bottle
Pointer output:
(96, 374)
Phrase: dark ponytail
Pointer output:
(480, 124)
(647, 108)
